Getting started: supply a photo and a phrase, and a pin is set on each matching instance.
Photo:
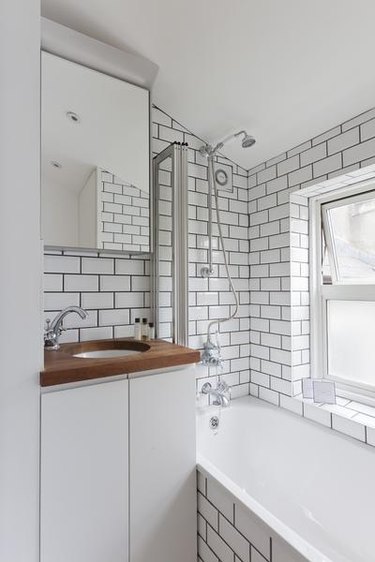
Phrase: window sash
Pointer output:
(348, 292)
(321, 293)
(327, 228)
(345, 294)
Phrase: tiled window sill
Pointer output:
(351, 418)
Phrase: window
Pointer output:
(349, 235)
(343, 299)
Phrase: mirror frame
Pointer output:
(81, 49)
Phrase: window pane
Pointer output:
(351, 340)
(353, 230)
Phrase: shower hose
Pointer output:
(212, 184)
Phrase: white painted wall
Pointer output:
(20, 345)
(88, 222)
(60, 216)
(69, 217)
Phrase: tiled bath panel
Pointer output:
(230, 532)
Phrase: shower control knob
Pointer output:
(207, 272)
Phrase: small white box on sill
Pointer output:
(324, 391)
(319, 390)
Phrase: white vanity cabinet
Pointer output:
(118, 470)
(163, 524)
(84, 474)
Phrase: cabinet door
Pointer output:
(84, 474)
(162, 468)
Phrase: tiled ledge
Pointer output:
(351, 418)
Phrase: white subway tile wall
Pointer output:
(279, 252)
(116, 290)
(211, 299)
(229, 532)
(266, 349)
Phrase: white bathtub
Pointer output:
(311, 485)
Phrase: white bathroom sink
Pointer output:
(105, 349)
(106, 353)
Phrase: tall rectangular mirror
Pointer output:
(95, 167)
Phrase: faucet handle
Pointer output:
(222, 386)
(206, 388)
(48, 332)
(62, 328)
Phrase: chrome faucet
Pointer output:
(53, 329)
(221, 393)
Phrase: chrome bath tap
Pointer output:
(53, 329)
(221, 393)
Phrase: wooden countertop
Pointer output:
(62, 367)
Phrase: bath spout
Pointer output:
(221, 393)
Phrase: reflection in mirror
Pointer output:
(95, 160)
(124, 215)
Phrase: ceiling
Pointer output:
(285, 71)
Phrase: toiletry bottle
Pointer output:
(144, 330)
(137, 329)
(151, 331)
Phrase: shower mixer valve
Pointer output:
(211, 355)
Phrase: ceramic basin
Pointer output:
(106, 349)
(106, 353)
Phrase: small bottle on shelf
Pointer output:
(144, 329)
(137, 329)
(151, 331)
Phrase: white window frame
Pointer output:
(320, 294)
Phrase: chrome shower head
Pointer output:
(247, 140)
(209, 150)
